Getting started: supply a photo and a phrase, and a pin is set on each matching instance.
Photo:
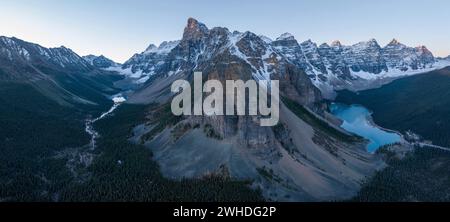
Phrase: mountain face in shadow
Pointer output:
(418, 103)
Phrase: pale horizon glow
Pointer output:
(119, 29)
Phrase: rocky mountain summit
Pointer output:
(100, 62)
(330, 67)
(19, 51)
(58, 73)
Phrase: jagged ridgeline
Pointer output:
(305, 157)
(336, 66)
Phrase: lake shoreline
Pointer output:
(358, 119)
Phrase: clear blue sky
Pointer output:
(119, 28)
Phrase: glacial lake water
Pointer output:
(356, 119)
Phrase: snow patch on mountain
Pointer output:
(60, 57)
(164, 48)
(330, 67)
(286, 36)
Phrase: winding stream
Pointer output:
(89, 125)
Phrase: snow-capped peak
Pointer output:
(371, 42)
(266, 39)
(286, 36)
(330, 67)
(423, 49)
(394, 42)
(194, 29)
(364, 45)
(151, 47)
(100, 62)
(14, 48)
(336, 43)
(324, 45)
(164, 48)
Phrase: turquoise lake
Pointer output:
(356, 119)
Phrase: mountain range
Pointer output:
(330, 67)
(99, 61)
(59, 73)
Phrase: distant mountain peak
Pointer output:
(193, 23)
(164, 48)
(194, 29)
(15, 49)
(394, 42)
(423, 49)
(324, 45)
(336, 43)
(373, 42)
(151, 47)
(101, 62)
(286, 36)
